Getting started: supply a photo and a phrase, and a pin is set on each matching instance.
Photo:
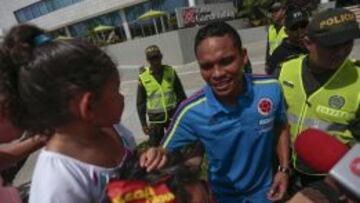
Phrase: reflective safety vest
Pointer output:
(275, 38)
(160, 97)
(330, 108)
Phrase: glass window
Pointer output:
(78, 29)
(66, 2)
(20, 16)
(148, 27)
(57, 4)
(35, 10)
(168, 5)
(133, 12)
(43, 9)
(28, 13)
(50, 6)
(84, 27)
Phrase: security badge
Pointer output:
(336, 101)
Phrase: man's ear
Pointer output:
(308, 43)
(86, 106)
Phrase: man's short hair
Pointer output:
(152, 51)
(217, 29)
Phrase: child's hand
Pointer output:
(153, 158)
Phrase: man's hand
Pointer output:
(146, 130)
(153, 158)
(279, 186)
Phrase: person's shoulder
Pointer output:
(261, 79)
(265, 83)
(280, 53)
(141, 69)
(356, 62)
(63, 163)
(53, 168)
(197, 98)
(291, 59)
(127, 136)
(169, 67)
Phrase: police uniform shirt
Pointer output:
(142, 97)
(285, 51)
(313, 81)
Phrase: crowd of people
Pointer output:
(62, 96)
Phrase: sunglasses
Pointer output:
(153, 58)
(301, 25)
(274, 10)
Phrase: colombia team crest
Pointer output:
(265, 106)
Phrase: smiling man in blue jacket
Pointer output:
(237, 117)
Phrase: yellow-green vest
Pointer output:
(330, 108)
(160, 97)
(275, 38)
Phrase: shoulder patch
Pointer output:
(168, 67)
(141, 69)
(292, 57)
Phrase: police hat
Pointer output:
(294, 16)
(276, 6)
(152, 51)
(333, 26)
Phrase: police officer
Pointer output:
(322, 88)
(295, 23)
(276, 31)
(159, 92)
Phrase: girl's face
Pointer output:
(110, 104)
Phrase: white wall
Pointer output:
(7, 8)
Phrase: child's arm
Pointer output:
(14, 152)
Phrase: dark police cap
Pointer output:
(294, 16)
(333, 27)
(152, 51)
(276, 6)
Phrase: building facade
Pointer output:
(75, 18)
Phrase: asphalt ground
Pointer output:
(191, 80)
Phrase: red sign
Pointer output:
(189, 16)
